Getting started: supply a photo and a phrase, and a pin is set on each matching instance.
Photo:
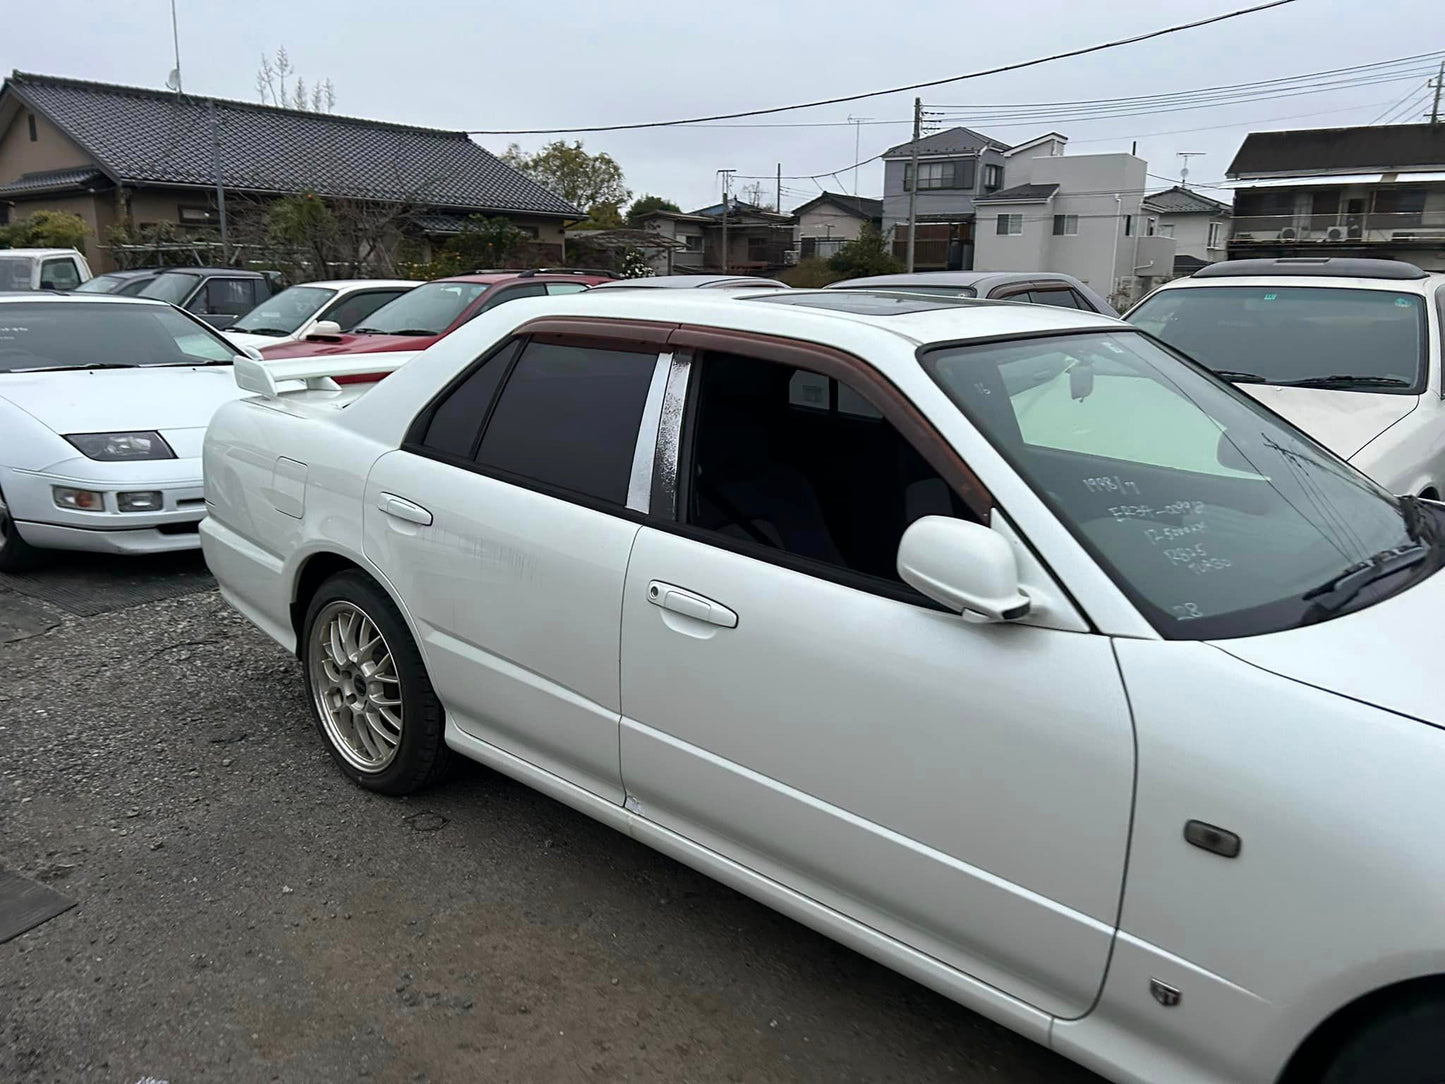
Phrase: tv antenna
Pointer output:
(1184, 169)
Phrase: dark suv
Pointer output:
(217, 295)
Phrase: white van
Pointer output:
(42, 269)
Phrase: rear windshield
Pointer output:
(1312, 336)
(16, 272)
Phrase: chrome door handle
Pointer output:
(689, 604)
(402, 508)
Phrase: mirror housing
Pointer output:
(324, 329)
(252, 353)
(964, 566)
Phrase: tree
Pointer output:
(273, 84)
(582, 179)
(45, 229)
(643, 204)
(486, 242)
(865, 255)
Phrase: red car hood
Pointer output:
(349, 344)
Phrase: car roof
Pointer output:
(1424, 284)
(492, 277)
(39, 252)
(951, 278)
(131, 272)
(693, 282)
(1314, 267)
(229, 272)
(350, 284)
(84, 299)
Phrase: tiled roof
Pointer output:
(1383, 147)
(141, 136)
(1181, 201)
(953, 141)
(1034, 192)
(862, 206)
(49, 180)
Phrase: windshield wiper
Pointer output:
(411, 331)
(1342, 379)
(259, 330)
(1332, 594)
(1234, 376)
(73, 368)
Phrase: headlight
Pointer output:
(122, 447)
(86, 500)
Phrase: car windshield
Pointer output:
(173, 286)
(284, 313)
(1321, 336)
(17, 272)
(103, 284)
(429, 309)
(103, 335)
(1216, 517)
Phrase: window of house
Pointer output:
(992, 178)
(1398, 208)
(1216, 235)
(958, 173)
(692, 242)
(197, 216)
(1128, 225)
(529, 232)
(30, 123)
(1010, 225)
(1149, 226)
(1166, 230)
(789, 462)
(59, 275)
(759, 249)
(1066, 225)
(568, 417)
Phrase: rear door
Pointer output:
(505, 523)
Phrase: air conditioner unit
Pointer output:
(1289, 233)
(1354, 231)
(1336, 233)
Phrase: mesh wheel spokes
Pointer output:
(356, 686)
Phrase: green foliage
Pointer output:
(45, 229)
(582, 179)
(643, 204)
(810, 274)
(866, 255)
(301, 220)
(483, 242)
(603, 216)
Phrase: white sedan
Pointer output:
(322, 309)
(103, 404)
(997, 642)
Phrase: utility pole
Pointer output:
(913, 179)
(220, 187)
(778, 206)
(857, 123)
(1439, 81)
(726, 175)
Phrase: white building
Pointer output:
(1198, 224)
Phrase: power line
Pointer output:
(1150, 35)
(1418, 99)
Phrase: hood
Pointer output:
(1343, 421)
(256, 342)
(1387, 654)
(114, 400)
(349, 344)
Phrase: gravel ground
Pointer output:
(245, 914)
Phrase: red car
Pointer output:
(434, 310)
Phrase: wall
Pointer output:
(1191, 235)
(825, 221)
(51, 149)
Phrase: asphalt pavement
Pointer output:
(243, 913)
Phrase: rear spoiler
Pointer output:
(262, 377)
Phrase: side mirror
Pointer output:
(964, 566)
(252, 353)
(324, 329)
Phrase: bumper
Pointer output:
(51, 536)
(172, 527)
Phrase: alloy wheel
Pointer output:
(355, 686)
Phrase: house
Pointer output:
(116, 154)
(758, 240)
(1364, 191)
(954, 168)
(1198, 224)
(829, 221)
(1079, 214)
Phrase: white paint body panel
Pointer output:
(343, 288)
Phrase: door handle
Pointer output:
(689, 604)
(402, 508)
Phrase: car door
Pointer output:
(788, 702)
(505, 523)
(220, 301)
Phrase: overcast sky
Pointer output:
(469, 64)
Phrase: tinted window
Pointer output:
(513, 293)
(354, 308)
(790, 461)
(83, 334)
(1061, 298)
(566, 287)
(458, 419)
(568, 417)
(173, 286)
(59, 275)
(226, 297)
(104, 284)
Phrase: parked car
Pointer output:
(999, 642)
(42, 269)
(692, 282)
(217, 295)
(122, 283)
(1347, 349)
(322, 309)
(434, 310)
(103, 403)
(1035, 287)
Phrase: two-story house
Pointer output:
(954, 168)
(1082, 215)
(1198, 224)
(1366, 191)
(829, 221)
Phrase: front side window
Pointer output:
(59, 274)
(285, 312)
(1216, 517)
(102, 335)
(790, 462)
(512, 293)
(1010, 225)
(1066, 225)
(568, 418)
(1302, 336)
(429, 309)
(225, 297)
(173, 286)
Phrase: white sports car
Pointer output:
(324, 309)
(999, 642)
(103, 404)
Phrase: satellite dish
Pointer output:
(173, 81)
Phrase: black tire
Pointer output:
(421, 756)
(1402, 1045)
(15, 553)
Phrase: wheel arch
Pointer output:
(1314, 1053)
(318, 567)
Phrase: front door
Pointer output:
(788, 702)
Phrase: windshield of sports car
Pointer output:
(1216, 517)
(173, 286)
(17, 272)
(38, 336)
(429, 309)
(1300, 336)
(284, 313)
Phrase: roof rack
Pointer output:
(1313, 266)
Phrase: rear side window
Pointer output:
(457, 422)
(568, 417)
(1060, 298)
